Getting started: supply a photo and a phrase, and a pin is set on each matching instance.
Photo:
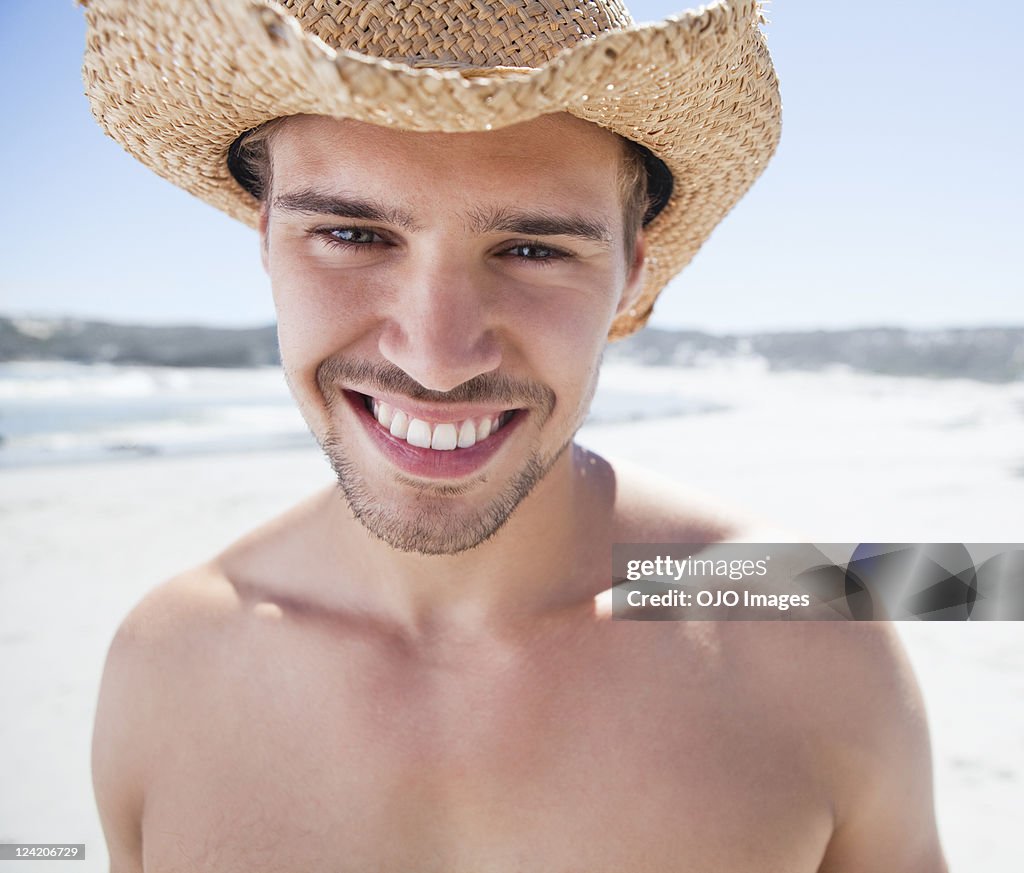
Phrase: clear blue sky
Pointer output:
(895, 197)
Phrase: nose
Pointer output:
(440, 328)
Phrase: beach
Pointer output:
(834, 456)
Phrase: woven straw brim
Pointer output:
(176, 81)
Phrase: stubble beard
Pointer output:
(427, 523)
(429, 518)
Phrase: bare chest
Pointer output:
(583, 760)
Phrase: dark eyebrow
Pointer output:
(538, 224)
(312, 202)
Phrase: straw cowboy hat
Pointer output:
(176, 82)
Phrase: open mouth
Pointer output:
(441, 436)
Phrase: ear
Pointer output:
(265, 236)
(635, 276)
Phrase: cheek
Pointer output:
(577, 316)
(562, 337)
(313, 323)
(317, 313)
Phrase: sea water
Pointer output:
(55, 412)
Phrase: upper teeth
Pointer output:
(443, 436)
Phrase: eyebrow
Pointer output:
(480, 221)
(538, 224)
(312, 202)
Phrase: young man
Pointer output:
(416, 669)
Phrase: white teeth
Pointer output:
(419, 434)
(383, 412)
(467, 434)
(399, 425)
(445, 438)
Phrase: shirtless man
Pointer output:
(415, 669)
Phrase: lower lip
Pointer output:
(430, 463)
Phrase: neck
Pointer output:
(541, 561)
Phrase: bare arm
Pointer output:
(884, 805)
(117, 765)
(139, 700)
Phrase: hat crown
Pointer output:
(480, 33)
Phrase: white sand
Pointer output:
(839, 457)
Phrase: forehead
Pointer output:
(547, 160)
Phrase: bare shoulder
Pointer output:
(174, 623)
(885, 808)
(157, 651)
(854, 678)
(653, 508)
(863, 718)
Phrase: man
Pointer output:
(416, 669)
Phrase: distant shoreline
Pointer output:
(987, 354)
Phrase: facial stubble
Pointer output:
(427, 525)
(437, 518)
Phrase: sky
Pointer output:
(894, 198)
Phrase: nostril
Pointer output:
(439, 362)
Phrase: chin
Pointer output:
(429, 517)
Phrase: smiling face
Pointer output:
(443, 302)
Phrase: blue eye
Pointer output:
(353, 236)
(533, 252)
(537, 253)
